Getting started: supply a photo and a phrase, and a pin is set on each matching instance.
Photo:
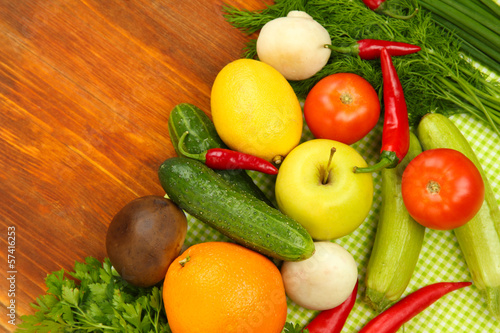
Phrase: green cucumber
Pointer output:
(479, 239)
(203, 136)
(202, 193)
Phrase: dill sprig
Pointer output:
(437, 79)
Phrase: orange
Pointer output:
(217, 287)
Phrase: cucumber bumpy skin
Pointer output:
(203, 136)
(398, 240)
(479, 239)
(202, 193)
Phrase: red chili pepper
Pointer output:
(401, 312)
(369, 49)
(333, 320)
(226, 159)
(380, 6)
(396, 128)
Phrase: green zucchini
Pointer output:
(202, 193)
(479, 239)
(398, 240)
(203, 136)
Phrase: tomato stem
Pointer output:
(433, 187)
(346, 98)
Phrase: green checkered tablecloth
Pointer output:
(440, 259)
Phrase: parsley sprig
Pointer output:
(94, 298)
(294, 328)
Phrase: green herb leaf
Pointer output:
(56, 281)
(71, 295)
(294, 328)
(100, 301)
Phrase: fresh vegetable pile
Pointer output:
(439, 77)
(362, 228)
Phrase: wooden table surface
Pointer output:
(86, 87)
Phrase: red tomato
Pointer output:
(342, 107)
(442, 189)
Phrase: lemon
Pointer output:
(255, 110)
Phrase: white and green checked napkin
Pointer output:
(441, 259)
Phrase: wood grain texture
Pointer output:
(86, 87)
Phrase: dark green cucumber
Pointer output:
(203, 136)
(202, 193)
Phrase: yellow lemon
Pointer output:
(255, 110)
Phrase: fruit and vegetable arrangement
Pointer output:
(331, 164)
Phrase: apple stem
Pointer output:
(327, 173)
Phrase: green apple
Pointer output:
(317, 187)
